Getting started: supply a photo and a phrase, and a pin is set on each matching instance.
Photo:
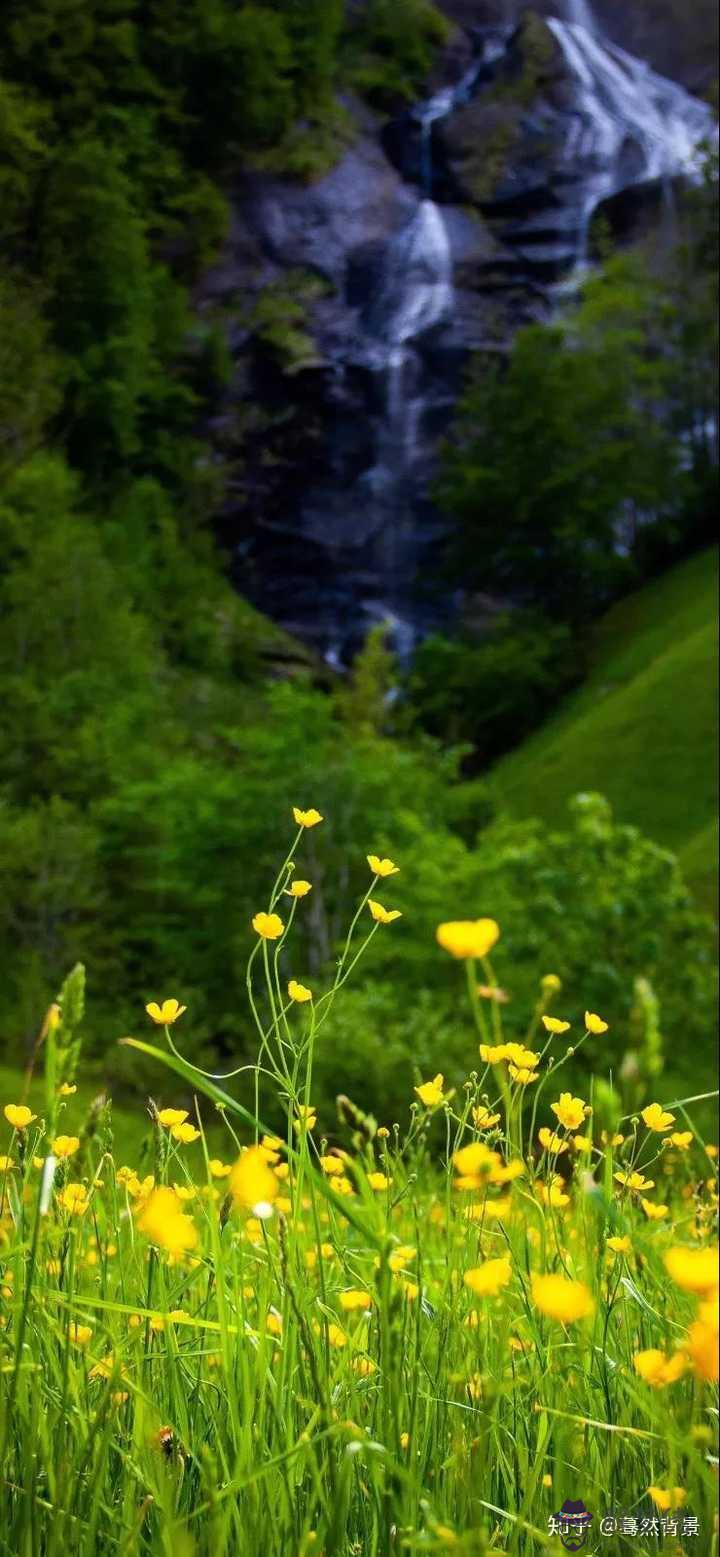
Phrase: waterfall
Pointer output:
(628, 126)
(579, 14)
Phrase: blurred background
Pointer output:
(358, 450)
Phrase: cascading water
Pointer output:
(629, 126)
(413, 294)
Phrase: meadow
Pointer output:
(491, 1329)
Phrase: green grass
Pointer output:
(643, 727)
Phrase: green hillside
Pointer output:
(643, 727)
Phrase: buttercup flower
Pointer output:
(269, 926)
(476, 1159)
(306, 818)
(184, 1133)
(80, 1334)
(382, 867)
(655, 1117)
(298, 992)
(489, 1278)
(634, 1181)
(172, 1116)
(657, 1369)
(66, 1090)
(167, 1013)
(569, 1110)
(165, 1224)
(383, 915)
(468, 937)
(653, 1213)
(682, 1139)
(431, 1092)
(667, 1498)
(299, 888)
(562, 1299)
(18, 1115)
(65, 1145)
(74, 1198)
(253, 1183)
(552, 1024)
(595, 1024)
(619, 1245)
(702, 1346)
(483, 1119)
(696, 1270)
(551, 1142)
(354, 1298)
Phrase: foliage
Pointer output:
(391, 48)
(248, 1338)
(492, 693)
(651, 695)
(563, 460)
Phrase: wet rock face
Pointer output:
(353, 303)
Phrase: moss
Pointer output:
(280, 316)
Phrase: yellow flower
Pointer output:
(185, 1133)
(383, 915)
(74, 1198)
(656, 1119)
(354, 1298)
(269, 926)
(306, 818)
(65, 1145)
(18, 1115)
(468, 937)
(382, 867)
(582, 1143)
(431, 1092)
(170, 1116)
(551, 1142)
(475, 1159)
(493, 1054)
(219, 1170)
(273, 1323)
(80, 1334)
(551, 984)
(165, 1224)
(619, 1245)
(165, 1014)
(336, 1336)
(552, 1024)
(363, 1366)
(682, 1139)
(703, 1348)
(553, 1194)
(331, 1165)
(379, 1181)
(299, 888)
(306, 1117)
(483, 1119)
(523, 1077)
(253, 1183)
(562, 1299)
(521, 1056)
(652, 1212)
(66, 1090)
(658, 1370)
(634, 1181)
(569, 1110)
(673, 1497)
(507, 1172)
(488, 1279)
(595, 1024)
(298, 992)
(696, 1270)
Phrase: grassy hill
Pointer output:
(643, 727)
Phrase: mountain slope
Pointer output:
(643, 727)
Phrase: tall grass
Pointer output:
(343, 1343)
